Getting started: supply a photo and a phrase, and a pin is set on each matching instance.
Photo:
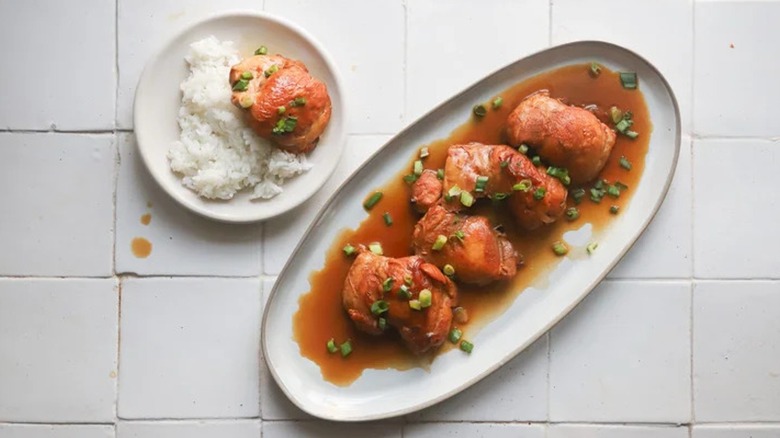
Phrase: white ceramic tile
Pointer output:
(735, 209)
(188, 429)
(183, 243)
(58, 65)
(473, 430)
(325, 429)
(190, 348)
(614, 431)
(732, 41)
(143, 26)
(56, 217)
(736, 431)
(736, 346)
(670, 50)
(664, 249)
(58, 347)
(515, 392)
(623, 355)
(453, 44)
(366, 40)
(283, 233)
(55, 431)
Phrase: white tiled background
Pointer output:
(683, 340)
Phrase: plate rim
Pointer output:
(547, 327)
(147, 74)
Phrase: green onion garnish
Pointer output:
(621, 186)
(460, 315)
(623, 125)
(614, 209)
(410, 178)
(578, 195)
(379, 307)
(455, 335)
(481, 183)
(559, 173)
(376, 248)
(246, 101)
(440, 174)
(281, 110)
(572, 213)
(595, 70)
(497, 102)
(388, 219)
(346, 349)
(628, 79)
(425, 298)
(615, 114)
(599, 184)
(404, 292)
(382, 323)
(271, 70)
(613, 191)
(441, 240)
(459, 234)
(479, 111)
(408, 279)
(241, 85)
(454, 191)
(522, 186)
(500, 196)
(466, 198)
(631, 134)
(466, 346)
(331, 345)
(560, 249)
(418, 167)
(262, 50)
(285, 125)
(539, 193)
(449, 270)
(523, 149)
(536, 160)
(372, 200)
(415, 304)
(503, 164)
(424, 152)
(591, 247)
(247, 75)
(624, 163)
(387, 285)
(349, 249)
(596, 195)
(299, 101)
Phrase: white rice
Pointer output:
(217, 153)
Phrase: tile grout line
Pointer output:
(692, 404)
(549, 367)
(405, 108)
(117, 165)
(550, 23)
(690, 364)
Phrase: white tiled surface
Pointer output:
(644, 348)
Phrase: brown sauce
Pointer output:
(146, 219)
(321, 317)
(141, 247)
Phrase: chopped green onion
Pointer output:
(460, 315)
(623, 125)
(440, 174)
(262, 50)
(497, 102)
(382, 322)
(624, 163)
(404, 292)
(479, 111)
(591, 247)
(503, 164)
(481, 183)
(379, 307)
(376, 248)
(387, 285)
(522, 186)
(331, 345)
(599, 184)
(415, 304)
(539, 193)
(523, 148)
(595, 70)
(614, 209)
(271, 70)
(628, 115)
(424, 152)
(349, 249)
(449, 270)
(388, 219)
(281, 109)
(613, 191)
(285, 125)
(454, 191)
(572, 213)
(246, 101)
(596, 195)
(466, 346)
(418, 167)
(372, 200)
(560, 249)
(408, 279)
(441, 240)
(247, 75)
(500, 196)
(299, 101)
(466, 198)
(536, 160)
(559, 173)
(455, 335)
(425, 298)
(621, 186)
(631, 134)
(615, 114)
(410, 178)
(628, 79)
(346, 349)
(241, 85)
(578, 195)
(459, 234)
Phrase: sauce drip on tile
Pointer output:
(141, 247)
(146, 219)
(321, 316)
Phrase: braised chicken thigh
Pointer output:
(426, 191)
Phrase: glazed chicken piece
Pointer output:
(505, 167)
(421, 330)
(478, 252)
(563, 135)
(282, 101)
(426, 191)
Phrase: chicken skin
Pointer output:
(534, 197)
(478, 252)
(376, 279)
(563, 135)
(282, 101)
(426, 191)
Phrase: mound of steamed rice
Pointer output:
(217, 154)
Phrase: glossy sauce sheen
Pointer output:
(321, 316)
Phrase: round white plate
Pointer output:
(158, 97)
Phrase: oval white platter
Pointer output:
(158, 97)
(386, 393)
